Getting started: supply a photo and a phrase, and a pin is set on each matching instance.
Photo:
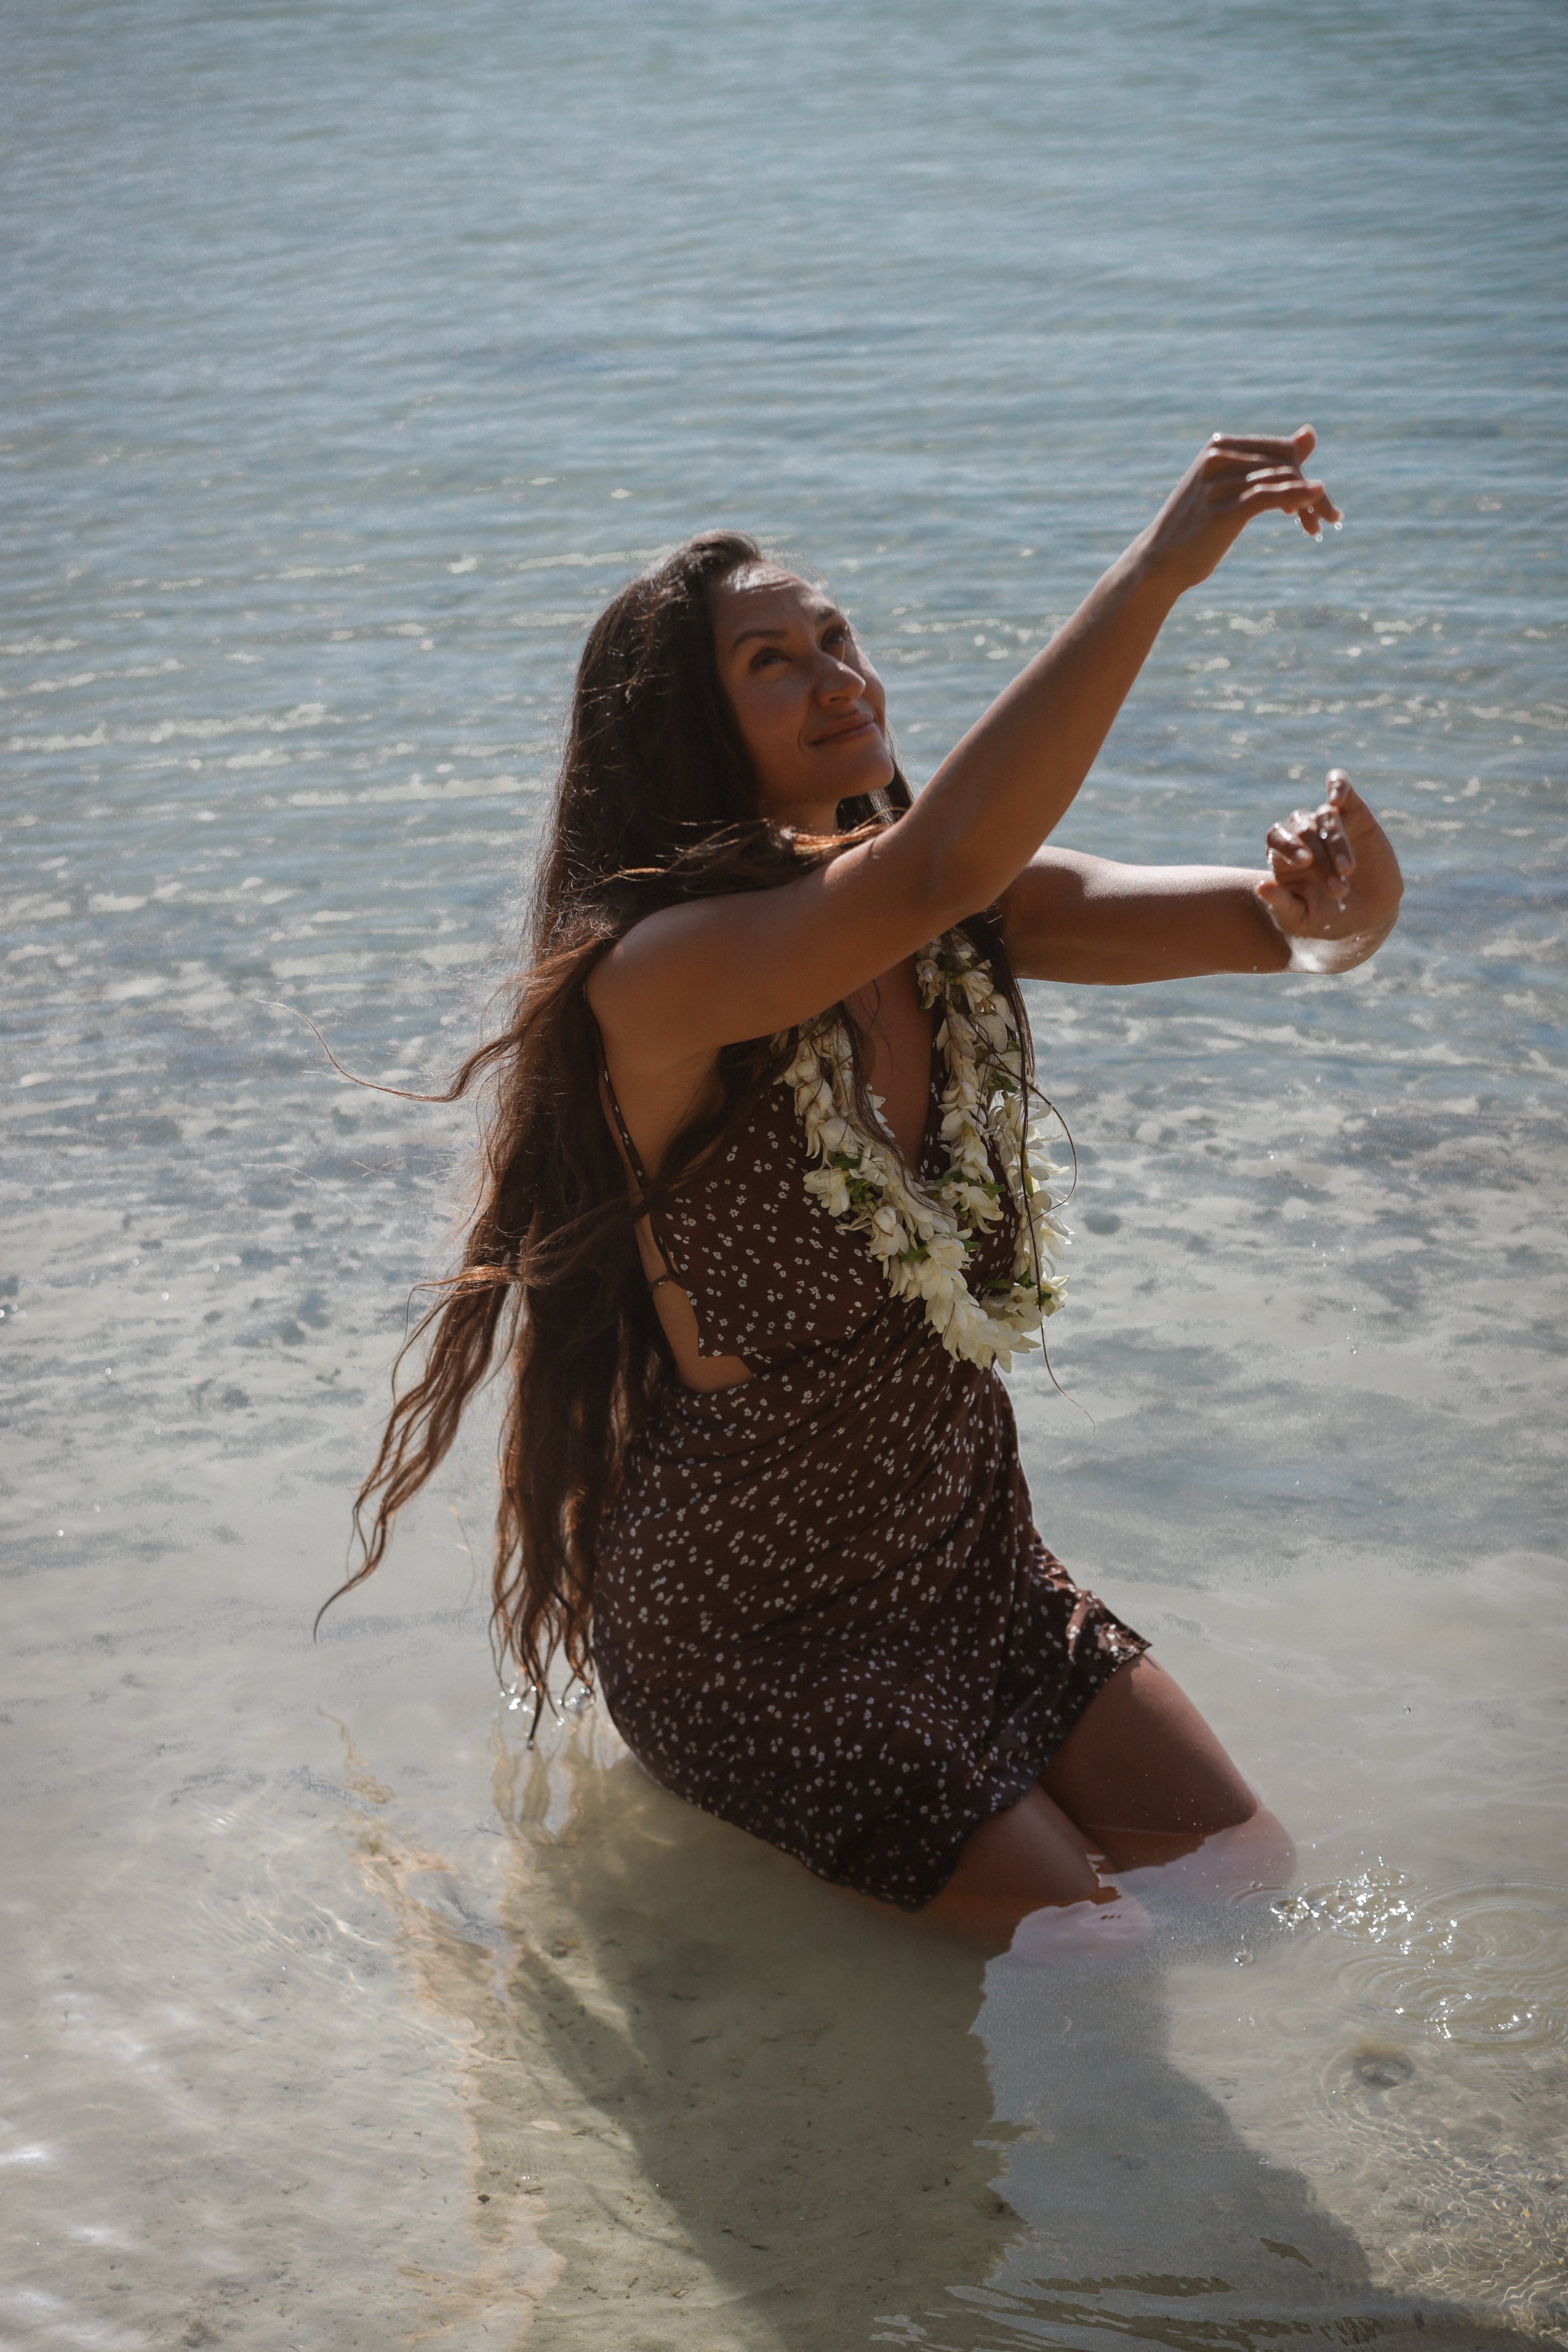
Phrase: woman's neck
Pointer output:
(806, 816)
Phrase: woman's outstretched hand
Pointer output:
(1334, 884)
(1234, 477)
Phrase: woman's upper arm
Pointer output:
(709, 972)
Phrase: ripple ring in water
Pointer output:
(1483, 1967)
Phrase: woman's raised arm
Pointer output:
(695, 977)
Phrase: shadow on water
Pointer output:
(742, 2115)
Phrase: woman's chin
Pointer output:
(872, 771)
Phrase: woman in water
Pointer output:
(758, 1217)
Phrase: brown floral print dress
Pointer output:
(822, 1611)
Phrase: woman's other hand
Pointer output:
(1234, 477)
(1334, 884)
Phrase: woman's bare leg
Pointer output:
(1030, 1857)
(1140, 1780)
(1146, 1782)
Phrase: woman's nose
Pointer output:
(837, 680)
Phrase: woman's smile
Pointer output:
(803, 692)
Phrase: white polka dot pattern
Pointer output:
(822, 1611)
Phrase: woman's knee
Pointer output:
(1026, 1882)
(1141, 1759)
(1029, 1857)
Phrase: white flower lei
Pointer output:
(924, 1235)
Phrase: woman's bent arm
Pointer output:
(1327, 900)
(695, 977)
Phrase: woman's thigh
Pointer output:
(1141, 1780)
(1141, 1773)
(1021, 1860)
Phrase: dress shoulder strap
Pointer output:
(622, 1129)
(634, 1160)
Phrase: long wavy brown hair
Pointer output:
(656, 801)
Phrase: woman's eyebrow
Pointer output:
(824, 619)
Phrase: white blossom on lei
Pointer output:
(923, 1233)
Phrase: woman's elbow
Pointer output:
(946, 884)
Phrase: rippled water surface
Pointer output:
(355, 354)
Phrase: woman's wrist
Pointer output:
(1146, 575)
(1323, 952)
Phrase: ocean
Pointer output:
(356, 353)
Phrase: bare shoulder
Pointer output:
(652, 938)
(626, 988)
(657, 1081)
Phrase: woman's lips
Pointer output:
(847, 733)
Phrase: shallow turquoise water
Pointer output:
(355, 355)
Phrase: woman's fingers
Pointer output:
(1265, 476)
(1328, 824)
(1331, 871)
(1314, 845)
(1292, 862)
(1281, 449)
(1312, 832)
(1292, 493)
(1352, 810)
(1289, 908)
(1234, 478)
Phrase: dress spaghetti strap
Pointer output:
(654, 1281)
(632, 1154)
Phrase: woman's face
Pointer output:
(810, 708)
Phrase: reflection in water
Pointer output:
(1153, 2218)
(744, 2114)
(729, 2098)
